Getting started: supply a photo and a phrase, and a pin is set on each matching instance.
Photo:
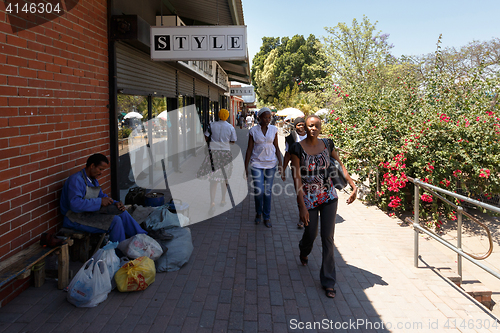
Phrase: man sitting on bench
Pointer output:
(86, 208)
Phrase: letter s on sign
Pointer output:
(162, 43)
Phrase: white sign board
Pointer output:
(199, 43)
(242, 91)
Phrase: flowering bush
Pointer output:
(442, 131)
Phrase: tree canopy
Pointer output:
(352, 51)
(284, 62)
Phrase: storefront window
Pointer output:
(145, 139)
(156, 135)
(132, 112)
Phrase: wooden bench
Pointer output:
(19, 265)
(80, 251)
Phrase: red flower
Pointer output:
(426, 198)
(395, 202)
(485, 173)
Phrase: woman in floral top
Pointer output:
(316, 195)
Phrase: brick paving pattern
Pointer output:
(244, 277)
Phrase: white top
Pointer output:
(222, 133)
(298, 138)
(264, 152)
(249, 119)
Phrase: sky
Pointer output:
(413, 26)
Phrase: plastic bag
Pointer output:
(179, 250)
(108, 255)
(90, 286)
(136, 275)
(163, 219)
(140, 245)
(123, 261)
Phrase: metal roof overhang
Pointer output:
(214, 12)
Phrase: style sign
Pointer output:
(199, 43)
(242, 91)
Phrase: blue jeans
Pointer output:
(262, 183)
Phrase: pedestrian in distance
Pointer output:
(217, 166)
(263, 155)
(249, 121)
(296, 135)
(317, 196)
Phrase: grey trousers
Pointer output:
(328, 212)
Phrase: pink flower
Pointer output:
(445, 182)
(444, 118)
(395, 202)
(426, 198)
(485, 173)
(456, 173)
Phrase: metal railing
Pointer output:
(460, 212)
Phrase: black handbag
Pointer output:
(335, 171)
(135, 196)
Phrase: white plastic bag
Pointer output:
(108, 255)
(123, 261)
(90, 286)
(140, 245)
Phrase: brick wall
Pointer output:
(53, 114)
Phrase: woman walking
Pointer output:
(297, 134)
(263, 154)
(217, 166)
(316, 195)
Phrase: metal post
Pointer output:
(416, 223)
(459, 239)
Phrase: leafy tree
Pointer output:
(268, 44)
(287, 98)
(284, 62)
(266, 79)
(127, 103)
(458, 62)
(352, 51)
(461, 64)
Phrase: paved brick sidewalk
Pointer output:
(244, 277)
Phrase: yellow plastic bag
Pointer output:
(136, 275)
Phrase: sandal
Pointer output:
(212, 209)
(304, 260)
(258, 218)
(300, 225)
(268, 224)
(330, 292)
